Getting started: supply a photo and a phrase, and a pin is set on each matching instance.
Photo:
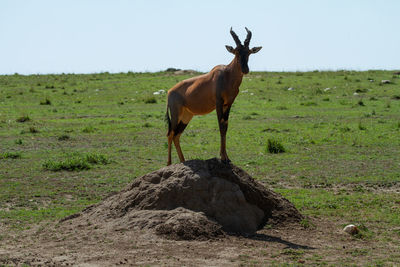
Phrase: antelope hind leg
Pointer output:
(184, 120)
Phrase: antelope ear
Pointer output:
(230, 49)
(255, 49)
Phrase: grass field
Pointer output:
(67, 141)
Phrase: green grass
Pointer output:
(274, 146)
(10, 155)
(75, 162)
(98, 132)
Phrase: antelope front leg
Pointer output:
(223, 116)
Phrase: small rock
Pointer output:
(290, 89)
(351, 229)
(327, 89)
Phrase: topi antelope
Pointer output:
(202, 94)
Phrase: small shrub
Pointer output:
(309, 104)
(361, 90)
(281, 108)
(275, 147)
(361, 127)
(10, 155)
(63, 137)
(396, 97)
(150, 100)
(361, 103)
(18, 141)
(318, 91)
(24, 118)
(45, 102)
(147, 125)
(33, 130)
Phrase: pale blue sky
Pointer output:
(86, 36)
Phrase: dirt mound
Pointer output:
(192, 200)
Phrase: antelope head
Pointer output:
(242, 52)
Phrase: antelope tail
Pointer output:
(168, 120)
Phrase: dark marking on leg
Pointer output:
(225, 115)
(179, 128)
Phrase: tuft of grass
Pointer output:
(307, 224)
(23, 118)
(88, 129)
(247, 117)
(275, 147)
(361, 127)
(360, 103)
(71, 164)
(95, 158)
(10, 155)
(76, 162)
(364, 232)
(45, 102)
(345, 129)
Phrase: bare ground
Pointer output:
(121, 229)
(62, 245)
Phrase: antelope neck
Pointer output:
(235, 69)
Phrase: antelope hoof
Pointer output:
(226, 161)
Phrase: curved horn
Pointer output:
(247, 41)
(236, 38)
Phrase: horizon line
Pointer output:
(194, 71)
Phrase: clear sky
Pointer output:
(86, 36)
